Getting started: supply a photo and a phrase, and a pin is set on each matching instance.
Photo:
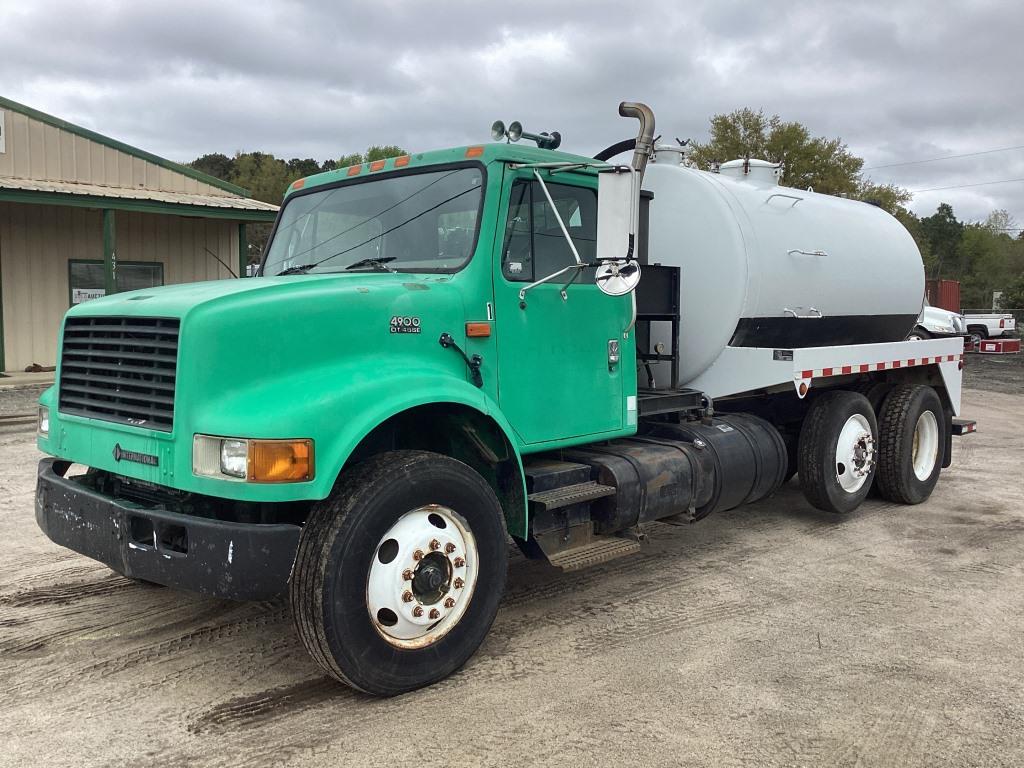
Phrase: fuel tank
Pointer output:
(764, 265)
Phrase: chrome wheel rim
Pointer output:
(925, 450)
(422, 575)
(855, 453)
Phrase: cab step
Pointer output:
(600, 550)
(577, 493)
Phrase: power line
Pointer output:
(962, 186)
(945, 157)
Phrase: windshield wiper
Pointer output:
(296, 269)
(373, 261)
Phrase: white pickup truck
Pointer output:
(937, 323)
(990, 326)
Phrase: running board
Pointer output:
(596, 552)
(578, 493)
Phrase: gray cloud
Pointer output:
(897, 82)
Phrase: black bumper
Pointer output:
(238, 561)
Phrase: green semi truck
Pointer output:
(444, 350)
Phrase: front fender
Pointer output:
(337, 407)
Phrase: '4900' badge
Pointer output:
(405, 324)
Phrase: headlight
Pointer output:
(254, 461)
(43, 425)
(234, 458)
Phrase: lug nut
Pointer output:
(449, 603)
(407, 596)
(407, 574)
(434, 545)
(417, 555)
(417, 611)
(449, 548)
(435, 614)
(458, 583)
(459, 562)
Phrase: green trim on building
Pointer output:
(243, 250)
(106, 141)
(109, 253)
(132, 204)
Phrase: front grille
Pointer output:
(120, 369)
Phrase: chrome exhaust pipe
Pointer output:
(645, 139)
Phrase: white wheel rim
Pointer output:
(855, 453)
(422, 575)
(926, 445)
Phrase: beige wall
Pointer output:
(37, 150)
(37, 241)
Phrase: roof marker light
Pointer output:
(474, 151)
(376, 165)
(401, 162)
(354, 170)
(298, 184)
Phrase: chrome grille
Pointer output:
(120, 369)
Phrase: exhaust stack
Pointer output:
(645, 139)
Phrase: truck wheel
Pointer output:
(836, 461)
(399, 572)
(978, 334)
(918, 334)
(910, 440)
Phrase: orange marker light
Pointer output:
(376, 165)
(478, 330)
(280, 461)
(298, 184)
(474, 151)
(354, 170)
(401, 162)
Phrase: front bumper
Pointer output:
(238, 561)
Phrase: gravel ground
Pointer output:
(769, 635)
(995, 373)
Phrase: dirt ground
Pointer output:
(995, 373)
(769, 635)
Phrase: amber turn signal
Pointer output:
(280, 461)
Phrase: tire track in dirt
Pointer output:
(271, 704)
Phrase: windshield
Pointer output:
(411, 222)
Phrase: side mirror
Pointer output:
(618, 203)
(616, 278)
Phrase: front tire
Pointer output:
(399, 572)
(918, 334)
(837, 451)
(911, 434)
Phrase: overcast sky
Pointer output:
(898, 81)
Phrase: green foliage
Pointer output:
(1013, 295)
(267, 178)
(824, 164)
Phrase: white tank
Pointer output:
(770, 266)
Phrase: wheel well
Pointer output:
(982, 329)
(462, 433)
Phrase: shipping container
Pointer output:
(943, 293)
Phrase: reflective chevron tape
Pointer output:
(842, 370)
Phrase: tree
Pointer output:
(216, 165)
(944, 233)
(823, 164)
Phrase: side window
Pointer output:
(534, 244)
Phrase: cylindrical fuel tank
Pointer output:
(770, 266)
(690, 469)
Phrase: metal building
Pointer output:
(83, 215)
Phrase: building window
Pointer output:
(85, 278)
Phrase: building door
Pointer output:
(554, 376)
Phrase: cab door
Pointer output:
(558, 375)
